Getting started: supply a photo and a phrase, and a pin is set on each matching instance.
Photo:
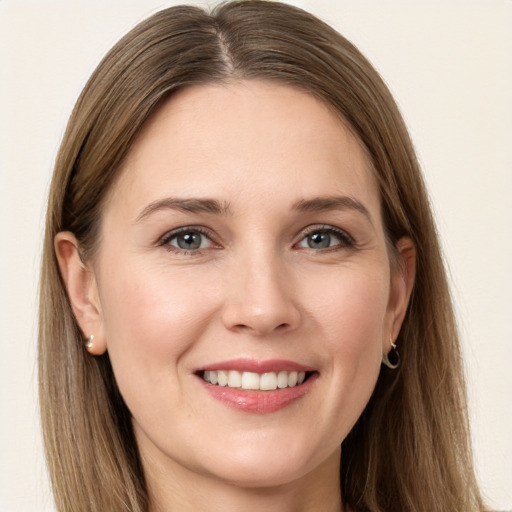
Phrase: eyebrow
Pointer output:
(192, 205)
(322, 204)
(214, 207)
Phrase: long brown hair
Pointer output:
(410, 449)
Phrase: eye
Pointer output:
(325, 238)
(187, 240)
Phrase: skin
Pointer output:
(255, 289)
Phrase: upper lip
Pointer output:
(257, 366)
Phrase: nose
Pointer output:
(260, 299)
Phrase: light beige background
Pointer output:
(448, 64)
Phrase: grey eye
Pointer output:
(325, 238)
(319, 240)
(190, 240)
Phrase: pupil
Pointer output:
(319, 240)
(189, 241)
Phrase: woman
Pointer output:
(237, 235)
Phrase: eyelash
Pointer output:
(346, 241)
(165, 241)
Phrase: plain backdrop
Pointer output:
(449, 66)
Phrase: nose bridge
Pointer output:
(261, 298)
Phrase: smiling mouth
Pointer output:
(252, 381)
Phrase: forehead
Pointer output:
(242, 139)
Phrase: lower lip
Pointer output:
(260, 402)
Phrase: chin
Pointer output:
(260, 468)
(263, 476)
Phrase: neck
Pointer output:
(173, 487)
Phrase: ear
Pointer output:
(81, 285)
(403, 273)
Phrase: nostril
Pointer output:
(247, 316)
(262, 328)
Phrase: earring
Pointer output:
(392, 358)
(89, 343)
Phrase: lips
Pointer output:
(257, 386)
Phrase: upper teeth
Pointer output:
(250, 380)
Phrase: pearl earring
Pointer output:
(89, 342)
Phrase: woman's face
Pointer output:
(243, 246)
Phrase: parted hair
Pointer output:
(410, 449)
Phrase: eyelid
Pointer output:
(346, 239)
(164, 240)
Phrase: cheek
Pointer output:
(353, 320)
(353, 311)
(152, 318)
